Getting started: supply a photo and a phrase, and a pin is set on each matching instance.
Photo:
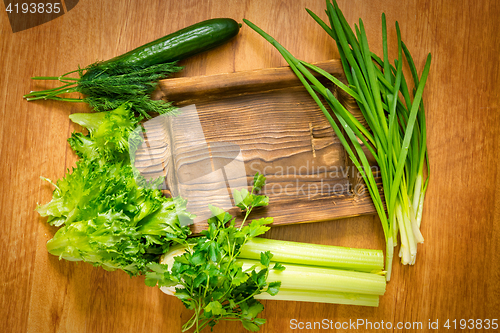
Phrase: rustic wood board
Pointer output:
(267, 118)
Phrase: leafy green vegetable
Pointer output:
(108, 220)
(109, 134)
(108, 214)
(113, 240)
(206, 275)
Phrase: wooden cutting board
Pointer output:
(265, 121)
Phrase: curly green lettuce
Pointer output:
(109, 133)
(107, 213)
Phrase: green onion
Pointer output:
(396, 131)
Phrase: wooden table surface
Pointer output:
(457, 271)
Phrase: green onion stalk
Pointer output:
(395, 130)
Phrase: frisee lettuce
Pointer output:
(107, 213)
(109, 134)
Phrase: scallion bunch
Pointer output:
(395, 133)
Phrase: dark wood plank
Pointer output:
(267, 118)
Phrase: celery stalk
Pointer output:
(309, 278)
(321, 297)
(363, 260)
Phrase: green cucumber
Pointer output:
(179, 45)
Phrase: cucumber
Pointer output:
(179, 45)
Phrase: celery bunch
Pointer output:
(222, 274)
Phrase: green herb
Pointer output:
(206, 275)
(396, 132)
(115, 85)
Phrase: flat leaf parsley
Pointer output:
(205, 274)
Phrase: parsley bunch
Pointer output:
(207, 277)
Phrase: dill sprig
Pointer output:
(107, 85)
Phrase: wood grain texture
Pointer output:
(457, 272)
(254, 121)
